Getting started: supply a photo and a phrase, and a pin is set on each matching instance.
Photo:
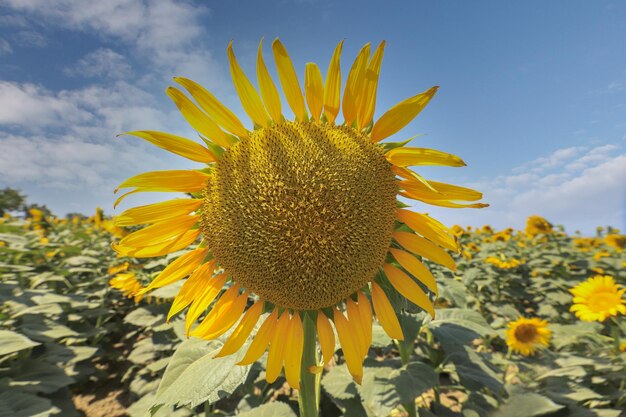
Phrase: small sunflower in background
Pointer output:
(128, 284)
(598, 298)
(536, 225)
(525, 336)
(616, 241)
(297, 219)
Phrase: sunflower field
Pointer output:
(530, 323)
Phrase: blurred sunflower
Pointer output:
(597, 299)
(616, 241)
(301, 214)
(536, 225)
(128, 285)
(525, 336)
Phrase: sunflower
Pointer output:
(536, 225)
(598, 298)
(525, 336)
(128, 284)
(296, 219)
(616, 241)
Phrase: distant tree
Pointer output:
(11, 200)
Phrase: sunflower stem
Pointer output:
(309, 395)
(615, 335)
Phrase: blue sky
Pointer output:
(533, 94)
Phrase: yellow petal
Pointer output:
(404, 157)
(239, 336)
(218, 112)
(269, 92)
(293, 351)
(367, 99)
(422, 247)
(444, 191)
(415, 268)
(261, 339)
(400, 115)
(180, 268)
(191, 288)
(354, 359)
(354, 85)
(224, 314)
(365, 310)
(289, 81)
(275, 356)
(176, 144)
(204, 299)
(153, 213)
(428, 227)
(440, 203)
(326, 337)
(358, 331)
(332, 88)
(411, 175)
(169, 246)
(248, 95)
(183, 181)
(159, 232)
(409, 288)
(385, 313)
(314, 90)
(199, 120)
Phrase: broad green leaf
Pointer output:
(527, 404)
(275, 409)
(14, 403)
(194, 376)
(14, 342)
(338, 383)
(81, 260)
(38, 376)
(142, 317)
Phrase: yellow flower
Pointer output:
(44, 240)
(128, 284)
(525, 336)
(457, 230)
(118, 268)
(584, 244)
(486, 229)
(503, 263)
(601, 254)
(622, 347)
(616, 241)
(2, 243)
(597, 299)
(537, 225)
(300, 213)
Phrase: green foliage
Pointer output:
(64, 329)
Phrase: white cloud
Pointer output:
(103, 62)
(577, 187)
(5, 47)
(30, 39)
(33, 106)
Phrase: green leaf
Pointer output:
(462, 317)
(81, 260)
(275, 409)
(142, 317)
(527, 404)
(474, 373)
(338, 383)
(384, 388)
(380, 339)
(14, 342)
(21, 404)
(194, 376)
(38, 376)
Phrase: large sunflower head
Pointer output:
(525, 336)
(598, 298)
(300, 216)
(536, 225)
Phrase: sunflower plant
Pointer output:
(301, 234)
